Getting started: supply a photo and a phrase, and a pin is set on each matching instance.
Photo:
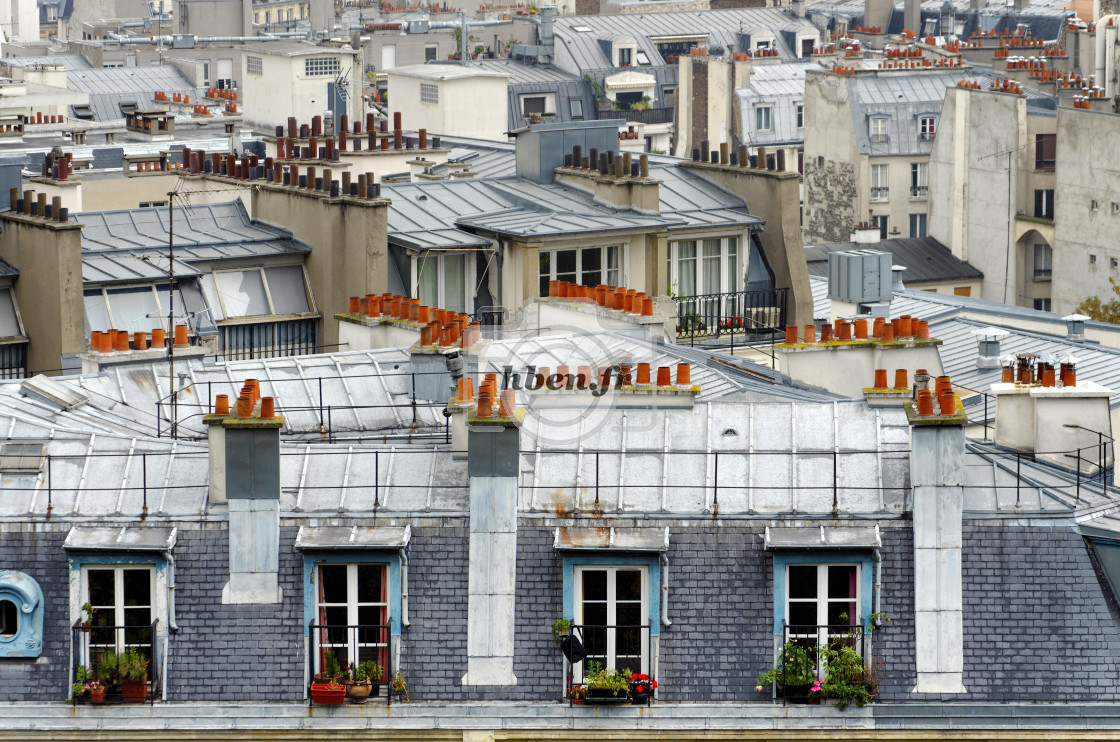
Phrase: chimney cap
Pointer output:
(1076, 318)
(990, 333)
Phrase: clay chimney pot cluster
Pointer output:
(608, 297)
(116, 341)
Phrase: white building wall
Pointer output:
(484, 96)
(285, 90)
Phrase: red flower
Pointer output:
(653, 683)
(639, 689)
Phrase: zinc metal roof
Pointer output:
(7, 270)
(202, 232)
(781, 86)
(925, 259)
(1097, 363)
(902, 96)
(520, 73)
(483, 162)
(109, 86)
(579, 51)
(124, 267)
(69, 61)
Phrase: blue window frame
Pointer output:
(783, 595)
(21, 615)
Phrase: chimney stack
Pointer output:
(1075, 327)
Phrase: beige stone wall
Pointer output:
(49, 288)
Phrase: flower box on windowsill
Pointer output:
(328, 694)
(606, 696)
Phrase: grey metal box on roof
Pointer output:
(541, 148)
(859, 276)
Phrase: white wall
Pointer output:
(484, 96)
(284, 90)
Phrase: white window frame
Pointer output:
(321, 66)
(469, 287)
(429, 93)
(1043, 262)
(15, 307)
(267, 292)
(724, 265)
(353, 644)
(764, 117)
(921, 222)
(878, 129)
(622, 269)
(612, 606)
(919, 179)
(154, 607)
(880, 181)
(823, 602)
(927, 128)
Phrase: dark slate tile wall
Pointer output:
(1037, 625)
(234, 652)
(40, 555)
(434, 654)
(893, 643)
(721, 607)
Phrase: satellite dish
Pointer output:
(236, 148)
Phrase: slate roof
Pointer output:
(1044, 17)
(108, 87)
(430, 213)
(925, 259)
(7, 270)
(781, 86)
(115, 243)
(69, 61)
(579, 51)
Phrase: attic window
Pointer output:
(82, 112)
(21, 457)
(642, 57)
(581, 29)
(128, 107)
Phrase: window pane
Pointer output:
(242, 292)
(8, 324)
(592, 266)
(711, 275)
(211, 294)
(842, 582)
(370, 585)
(803, 581)
(566, 265)
(102, 593)
(285, 286)
(686, 268)
(802, 614)
(137, 587)
(628, 614)
(9, 618)
(594, 584)
(371, 615)
(427, 281)
(734, 279)
(628, 584)
(454, 283)
(97, 311)
(332, 583)
(545, 264)
(134, 310)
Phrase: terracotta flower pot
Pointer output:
(358, 692)
(97, 695)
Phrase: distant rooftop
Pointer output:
(925, 259)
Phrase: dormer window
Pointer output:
(878, 130)
(927, 128)
(624, 57)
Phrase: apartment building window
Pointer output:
(763, 118)
(917, 225)
(878, 130)
(589, 266)
(1045, 151)
(881, 222)
(21, 457)
(927, 128)
(429, 93)
(132, 308)
(612, 606)
(1044, 203)
(533, 104)
(799, 112)
(11, 324)
(1042, 305)
(122, 599)
(321, 66)
(254, 65)
(1043, 261)
(707, 266)
(822, 599)
(919, 180)
(880, 182)
(576, 107)
(352, 613)
(257, 291)
(431, 52)
(445, 280)
(624, 57)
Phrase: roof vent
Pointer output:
(63, 395)
(896, 278)
(987, 338)
(856, 276)
(1075, 327)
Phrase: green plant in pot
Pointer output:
(794, 672)
(561, 627)
(364, 681)
(107, 667)
(133, 669)
(606, 684)
(87, 616)
(332, 670)
(400, 687)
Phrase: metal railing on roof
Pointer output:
(638, 116)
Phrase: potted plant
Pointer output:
(133, 670)
(561, 627)
(607, 686)
(845, 678)
(87, 618)
(332, 670)
(361, 686)
(400, 687)
(641, 688)
(331, 692)
(577, 693)
(81, 675)
(96, 690)
(107, 665)
(794, 673)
